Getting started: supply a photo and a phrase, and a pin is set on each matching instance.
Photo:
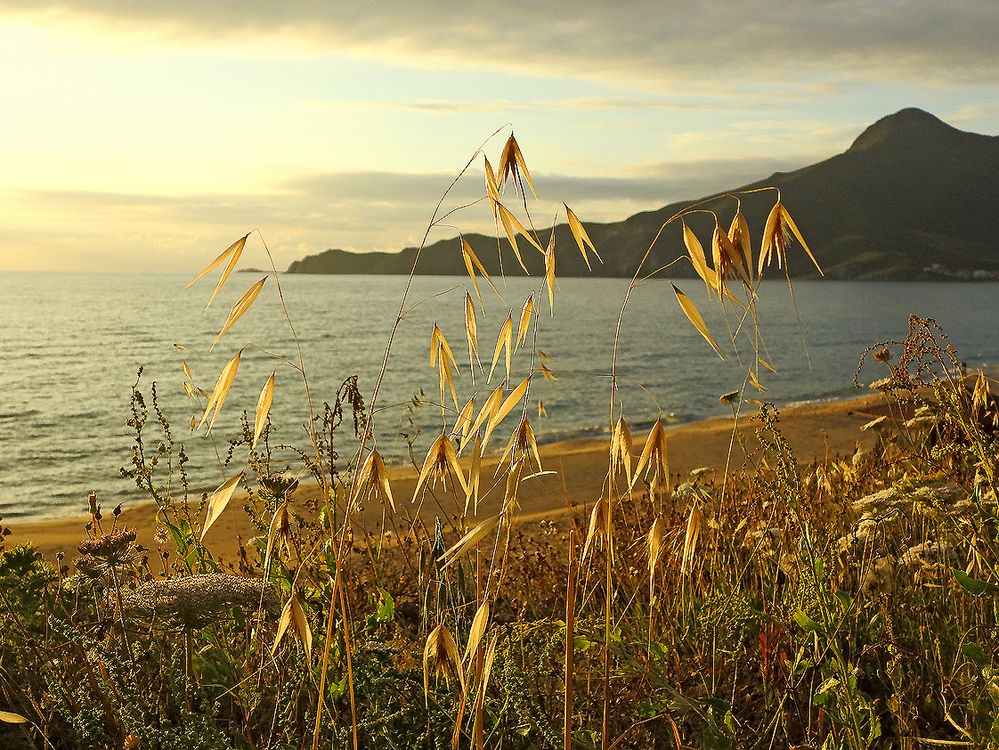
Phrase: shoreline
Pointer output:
(815, 430)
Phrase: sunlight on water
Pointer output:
(71, 346)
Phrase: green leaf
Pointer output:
(385, 609)
(718, 706)
(658, 650)
(338, 688)
(875, 732)
(976, 653)
(650, 708)
(972, 585)
(730, 721)
(828, 685)
(820, 570)
(806, 623)
(825, 692)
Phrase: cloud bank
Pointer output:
(740, 46)
(355, 211)
(720, 83)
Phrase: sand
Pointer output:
(815, 431)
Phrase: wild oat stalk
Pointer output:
(730, 265)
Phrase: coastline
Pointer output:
(815, 430)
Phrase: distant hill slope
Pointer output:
(911, 191)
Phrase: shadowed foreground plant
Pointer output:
(198, 599)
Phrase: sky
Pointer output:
(147, 136)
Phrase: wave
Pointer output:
(11, 415)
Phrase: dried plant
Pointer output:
(839, 604)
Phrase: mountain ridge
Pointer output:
(912, 198)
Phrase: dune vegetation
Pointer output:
(851, 602)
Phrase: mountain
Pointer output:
(912, 198)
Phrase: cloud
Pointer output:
(572, 104)
(973, 113)
(749, 47)
(355, 211)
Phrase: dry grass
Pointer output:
(775, 606)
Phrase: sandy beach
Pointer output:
(815, 430)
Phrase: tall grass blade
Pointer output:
(579, 234)
(511, 401)
(471, 334)
(697, 259)
(550, 273)
(695, 318)
(263, 408)
(463, 422)
(474, 472)
(294, 616)
(489, 408)
(301, 623)
(503, 340)
(738, 235)
(232, 252)
(440, 656)
(769, 239)
(475, 535)
(221, 390)
(512, 163)
(794, 228)
(218, 502)
(473, 264)
(525, 321)
(240, 308)
(477, 630)
(492, 185)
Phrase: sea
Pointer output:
(71, 346)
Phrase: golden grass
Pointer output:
(442, 463)
(652, 553)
